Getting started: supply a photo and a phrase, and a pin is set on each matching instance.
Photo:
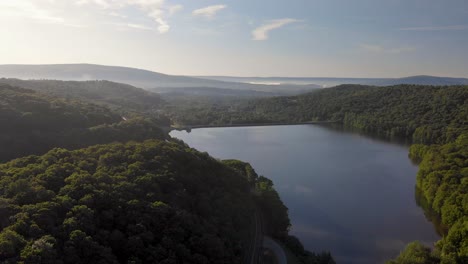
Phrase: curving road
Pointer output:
(275, 248)
(260, 242)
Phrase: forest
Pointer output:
(33, 123)
(82, 183)
(150, 202)
(420, 114)
(120, 97)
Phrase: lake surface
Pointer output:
(346, 193)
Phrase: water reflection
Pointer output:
(349, 194)
(431, 216)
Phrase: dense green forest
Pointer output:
(423, 114)
(117, 96)
(33, 123)
(154, 202)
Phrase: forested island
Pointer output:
(99, 181)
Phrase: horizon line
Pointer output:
(227, 76)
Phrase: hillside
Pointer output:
(136, 77)
(33, 123)
(422, 114)
(115, 95)
(85, 72)
(153, 202)
(425, 114)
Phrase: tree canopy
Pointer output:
(150, 202)
(33, 123)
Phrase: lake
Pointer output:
(346, 193)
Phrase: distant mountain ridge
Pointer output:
(334, 81)
(85, 72)
(157, 81)
(132, 76)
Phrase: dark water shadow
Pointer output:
(430, 215)
(336, 127)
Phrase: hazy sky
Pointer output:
(313, 38)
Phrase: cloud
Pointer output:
(209, 11)
(157, 10)
(28, 10)
(163, 25)
(105, 4)
(174, 9)
(382, 49)
(139, 26)
(261, 33)
(131, 26)
(441, 28)
(68, 13)
(116, 14)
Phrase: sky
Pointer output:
(289, 38)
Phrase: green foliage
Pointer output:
(442, 183)
(417, 152)
(33, 123)
(41, 250)
(244, 169)
(150, 202)
(10, 243)
(274, 211)
(423, 114)
(120, 97)
(416, 253)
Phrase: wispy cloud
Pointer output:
(261, 33)
(124, 26)
(157, 10)
(209, 11)
(116, 14)
(439, 28)
(61, 12)
(174, 9)
(382, 49)
(139, 26)
(28, 10)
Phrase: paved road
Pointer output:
(255, 250)
(276, 248)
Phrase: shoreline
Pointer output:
(188, 128)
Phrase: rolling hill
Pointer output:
(329, 82)
(111, 94)
(136, 77)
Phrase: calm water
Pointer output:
(346, 193)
